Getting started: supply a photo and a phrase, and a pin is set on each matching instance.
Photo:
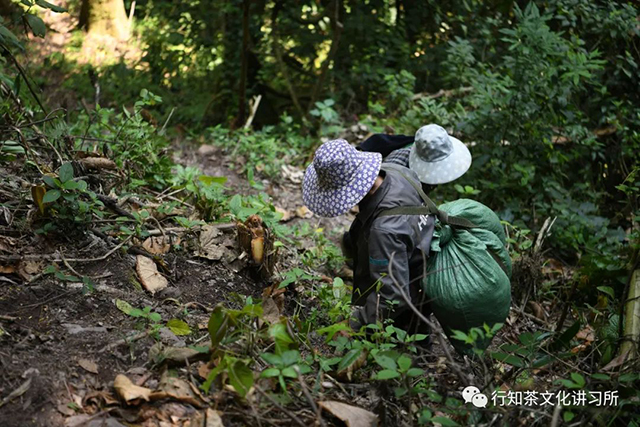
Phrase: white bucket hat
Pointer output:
(437, 157)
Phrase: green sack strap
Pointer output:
(406, 210)
(423, 210)
(499, 261)
(430, 208)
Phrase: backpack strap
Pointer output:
(429, 208)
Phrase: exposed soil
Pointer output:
(50, 326)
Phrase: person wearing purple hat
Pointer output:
(341, 177)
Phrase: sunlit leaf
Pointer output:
(178, 327)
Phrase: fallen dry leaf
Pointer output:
(207, 150)
(352, 416)
(346, 374)
(618, 361)
(178, 355)
(293, 174)
(587, 334)
(286, 215)
(88, 365)
(177, 389)
(303, 212)
(65, 410)
(212, 245)
(7, 244)
(213, 419)
(270, 311)
(159, 245)
(7, 269)
(99, 398)
(98, 163)
(537, 310)
(150, 279)
(17, 392)
(203, 370)
(27, 269)
(128, 391)
(208, 418)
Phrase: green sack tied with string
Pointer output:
(468, 272)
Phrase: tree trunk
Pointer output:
(242, 95)
(105, 17)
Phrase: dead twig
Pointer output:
(305, 391)
(127, 340)
(57, 258)
(291, 415)
(454, 366)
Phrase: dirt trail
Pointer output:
(51, 328)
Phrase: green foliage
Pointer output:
(287, 365)
(69, 203)
(87, 284)
(135, 145)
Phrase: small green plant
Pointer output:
(466, 191)
(328, 116)
(9, 150)
(87, 284)
(151, 320)
(286, 365)
(67, 201)
(399, 367)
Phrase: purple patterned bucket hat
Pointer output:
(339, 177)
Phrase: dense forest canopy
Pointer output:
(545, 93)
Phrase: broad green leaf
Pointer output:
(218, 325)
(415, 372)
(212, 375)
(625, 378)
(51, 196)
(270, 373)
(240, 377)
(331, 330)
(607, 290)
(36, 24)
(601, 377)
(565, 338)
(289, 372)
(568, 416)
(444, 421)
(404, 362)
(8, 36)
(509, 359)
(387, 374)
(155, 317)
(47, 5)
(385, 361)
(178, 327)
(70, 185)
(290, 357)
(349, 359)
(124, 307)
(272, 359)
(210, 180)
(278, 331)
(66, 172)
(578, 379)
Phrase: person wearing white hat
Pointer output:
(435, 156)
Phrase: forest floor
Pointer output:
(61, 349)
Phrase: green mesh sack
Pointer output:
(468, 272)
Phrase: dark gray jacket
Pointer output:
(396, 243)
